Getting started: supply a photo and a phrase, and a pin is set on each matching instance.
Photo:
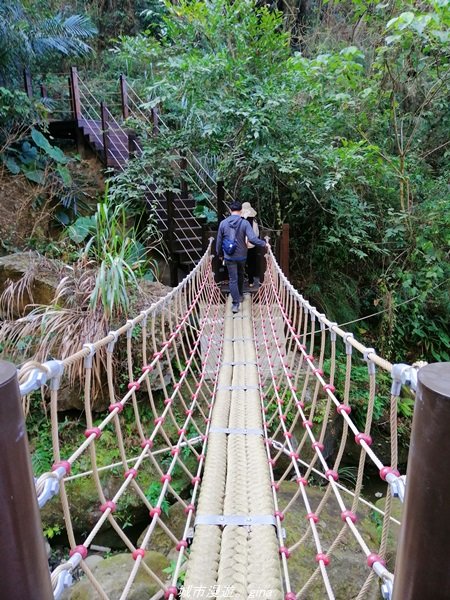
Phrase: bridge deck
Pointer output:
(237, 561)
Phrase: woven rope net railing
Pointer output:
(245, 439)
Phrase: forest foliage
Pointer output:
(334, 120)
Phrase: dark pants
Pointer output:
(236, 276)
(252, 264)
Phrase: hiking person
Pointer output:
(249, 213)
(231, 246)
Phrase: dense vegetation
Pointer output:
(332, 116)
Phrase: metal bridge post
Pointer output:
(27, 84)
(124, 97)
(221, 206)
(24, 572)
(75, 94)
(105, 131)
(421, 570)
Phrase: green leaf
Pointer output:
(65, 175)
(11, 165)
(42, 142)
(35, 175)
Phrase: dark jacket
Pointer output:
(245, 230)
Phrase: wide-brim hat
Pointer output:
(248, 210)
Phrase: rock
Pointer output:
(85, 507)
(347, 558)
(93, 560)
(112, 574)
(160, 541)
(42, 285)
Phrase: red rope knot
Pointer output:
(118, 405)
(195, 395)
(283, 418)
(181, 432)
(329, 387)
(307, 423)
(317, 446)
(81, 550)
(168, 401)
(175, 451)
(131, 472)
(181, 544)
(348, 514)
(300, 404)
(196, 479)
(318, 372)
(134, 385)
(294, 455)
(333, 474)
(138, 552)
(284, 551)
(344, 408)
(210, 405)
(207, 420)
(204, 437)
(290, 596)
(321, 557)
(93, 430)
(280, 402)
(302, 480)
(108, 504)
(147, 368)
(177, 386)
(294, 389)
(157, 355)
(200, 457)
(310, 357)
(272, 461)
(386, 470)
(155, 512)
(265, 410)
(166, 477)
(159, 420)
(301, 346)
(147, 443)
(287, 434)
(189, 508)
(373, 558)
(63, 464)
(312, 517)
(275, 485)
(171, 591)
(279, 514)
(363, 437)
(183, 373)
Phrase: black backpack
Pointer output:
(229, 243)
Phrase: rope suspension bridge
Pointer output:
(254, 421)
(238, 422)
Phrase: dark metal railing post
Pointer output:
(24, 572)
(173, 264)
(284, 249)
(221, 206)
(43, 90)
(105, 131)
(75, 94)
(155, 120)
(28, 87)
(421, 569)
(183, 183)
(124, 97)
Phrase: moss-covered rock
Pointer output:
(348, 568)
(112, 575)
(160, 541)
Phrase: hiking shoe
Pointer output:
(235, 308)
